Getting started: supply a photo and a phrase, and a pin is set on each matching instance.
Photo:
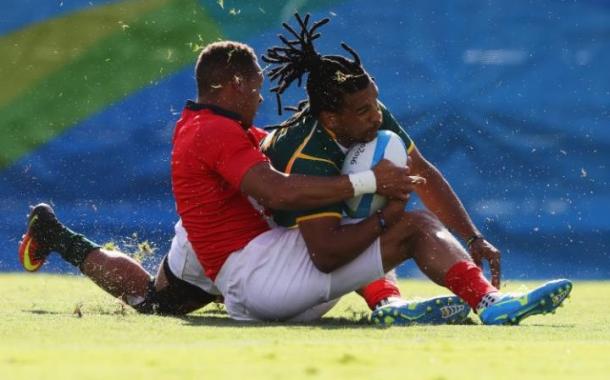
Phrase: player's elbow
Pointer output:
(324, 266)
(324, 262)
(270, 188)
(275, 197)
(281, 196)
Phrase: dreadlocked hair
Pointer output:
(329, 78)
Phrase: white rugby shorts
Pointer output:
(184, 264)
(274, 279)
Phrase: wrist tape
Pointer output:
(363, 182)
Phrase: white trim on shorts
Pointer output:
(274, 279)
(184, 264)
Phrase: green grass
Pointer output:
(41, 337)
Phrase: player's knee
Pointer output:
(425, 223)
(416, 223)
(426, 219)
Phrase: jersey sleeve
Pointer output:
(258, 134)
(315, 167)
(231, 152)
(390, 123)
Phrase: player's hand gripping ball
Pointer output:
(362, 157)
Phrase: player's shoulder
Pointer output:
(211, 118)
(388, 117)
(206, 134)
(218, 124)
(390, 123)
(384, 109)
(303, 149)
(319, 154)
(288, 136)
(314, 165)
(258, 133)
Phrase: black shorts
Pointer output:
(177, 298)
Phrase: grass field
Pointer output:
(41, 336)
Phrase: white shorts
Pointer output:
(274, 279)
(184, 264)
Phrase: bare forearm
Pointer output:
(304, 192)
(341, 244)
(279, 191)
(438, 196)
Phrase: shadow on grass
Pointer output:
(539, 325)
(219, 318)
(41, 312)
(215, 315)
(324, 323)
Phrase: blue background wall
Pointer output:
(510, 100)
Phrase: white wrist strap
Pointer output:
(363, 182)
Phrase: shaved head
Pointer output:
(221, 62)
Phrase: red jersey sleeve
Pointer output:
(259, 134)
(234, 152)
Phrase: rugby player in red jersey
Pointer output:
(290, 274)
(218, 176)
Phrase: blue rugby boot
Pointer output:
(434, 311)
(512, 309)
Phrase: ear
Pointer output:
(328, 119)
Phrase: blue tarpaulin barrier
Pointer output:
(510, 100)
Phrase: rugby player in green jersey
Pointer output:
(342, 109)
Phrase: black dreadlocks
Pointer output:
(330, 77)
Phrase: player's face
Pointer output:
(252, 97)
(360, 117)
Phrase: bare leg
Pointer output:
(124, 278)
(117, 273)
(421, 236)
(113, 271)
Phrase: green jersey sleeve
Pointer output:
(310, 165)
(390, 123)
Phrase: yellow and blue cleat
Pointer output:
(512, 309)
(434, 311)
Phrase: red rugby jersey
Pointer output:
(210, 155)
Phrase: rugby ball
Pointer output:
(362, 157)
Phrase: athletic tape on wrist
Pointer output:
(363, 182)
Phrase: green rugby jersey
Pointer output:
(308, 148)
